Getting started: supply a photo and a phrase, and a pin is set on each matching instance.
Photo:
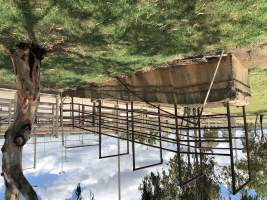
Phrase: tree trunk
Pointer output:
(26, 59)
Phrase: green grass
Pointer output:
(258, 82)
(122, 36)
(65, 73)
(70, 71)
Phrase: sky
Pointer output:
(59, 170)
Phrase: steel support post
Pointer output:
(57, 115)
(132, 127)
(231, 149)
(200, 141)
(83, 111)
(93, 115)
(127, 127)
(160, 142)
(178, 143)
(79, 114)
(72, 112)
(247, 141)
(53, 119)
(99, 126)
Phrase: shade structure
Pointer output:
(184, 82)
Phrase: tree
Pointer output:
(125, 35)
(166, 185)
(246, 196)
(86, 38)
(258, 149)
(26, 60)
(257, 152)
(79, 195)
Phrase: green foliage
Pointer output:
(258, 81)
(125, 35)
(257, 153)
(166, 185)
(6, 70)
(258, 149)
(246, 196)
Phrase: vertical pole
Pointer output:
(53, 119)
(118, 143)
(49, 117)
(200, 141)
(61, 119)
(82, 124)
(160, 142)
(99, 126)
(83, 111)
(143, 118)
(60, 111)
(200, 149)
(187, 113)
(231, 148)
(93, 115)
(9, 112)
(195, 144)
(132, 124)
(247, 141)
(255, 126)
(61, 171)
(127, 126)
(57, 109)
(195, 134)
(72, 112)
(34, 156)
(79, 110)
(178, 143)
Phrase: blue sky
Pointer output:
(58, 171)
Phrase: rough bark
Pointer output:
(26, 59)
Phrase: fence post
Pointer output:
(53, 119)
(160, 143)
(99, 126)
(61, 119)
(72, 112)
(57, 117)
(132, 124)
(231, 148)
(93, 115)
(127, 125)
(10, 112)
(247, 141)
(178, 143)
(83, 110)
(35, 153)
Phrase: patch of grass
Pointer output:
(123, 36)
(71, 71)
(258, 83)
